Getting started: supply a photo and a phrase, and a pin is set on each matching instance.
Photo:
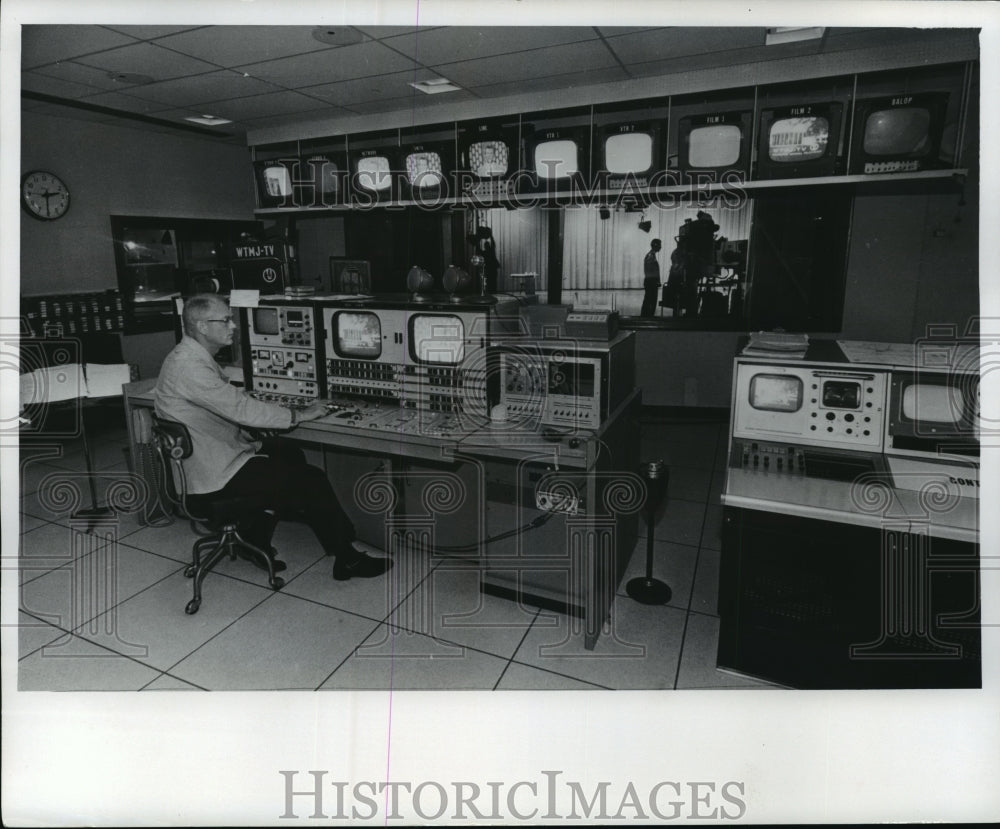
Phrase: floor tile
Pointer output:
(520, 677)
(34, 633)
(65, 491)
(705, 593)
(80, 665)
(689, 483)
(297, 547)
(698, 658)
(173, 541)
(640, 651)
(30, 522)
(673, 564)
(138, 624)
(285, 644)
(53, 545)
(711, 535)
(73, 595)
(165, 682)
(392, 658)
(374, 598)
(36, 464)
(449, 606)
(103, 454)
(679, 521)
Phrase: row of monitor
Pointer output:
(901, 133)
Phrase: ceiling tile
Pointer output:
(197, 89)
(150, 32)
(126, 103)
(68, 70)
(588, 77)
(659, 44)
(259, 106)
(237, 45)
(147, 59)
(382, 32)
(34, 82)
(410, 103)
(525, 65)
(46, 44)
(395, 85)
(460, 43)
(178, 116)
(361, 60)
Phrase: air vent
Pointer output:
(338, 35)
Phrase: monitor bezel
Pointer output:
(688, 123)
(935, 102)
(414, 354)
(655, 128)
(363, 194)
(830, 163)
(335, 338)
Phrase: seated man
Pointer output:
(192, 389)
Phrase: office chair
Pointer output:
(221, 523)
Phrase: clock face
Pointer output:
(44, 195)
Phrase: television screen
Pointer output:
(423, 169)
(556, 159)
(265, 320)
(714, 145)
(927, 403)
(628, 152)
(325, 175)
(437, 338)
(373, 173)
(803, 138)
(357, 334)
(903, 131)
(775, 393)
(489, 159)
(277, 181)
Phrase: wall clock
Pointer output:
(44, 195)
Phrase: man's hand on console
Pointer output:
(314, 411)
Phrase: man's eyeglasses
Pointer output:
(227, 320)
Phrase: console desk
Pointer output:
(410, 480)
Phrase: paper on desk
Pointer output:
(54, 384)
(239, 298)
(106, 380)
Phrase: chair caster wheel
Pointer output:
(189, 571)
(192, 607)
(276, 583)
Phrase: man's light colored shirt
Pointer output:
(193, 389)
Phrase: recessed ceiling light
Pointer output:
(338, 35)
(129, 77)
(792, 34)
(208, 120)
(435, 86)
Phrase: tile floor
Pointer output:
(104, 610)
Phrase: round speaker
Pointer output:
(419, 281)
(456, 280)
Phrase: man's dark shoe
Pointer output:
(362, 567)
(255, 560)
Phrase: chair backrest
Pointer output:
(173, 442)
(174, 438)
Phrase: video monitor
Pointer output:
(357, 334)
(776, 393)
(437, 338)
(265, 320)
